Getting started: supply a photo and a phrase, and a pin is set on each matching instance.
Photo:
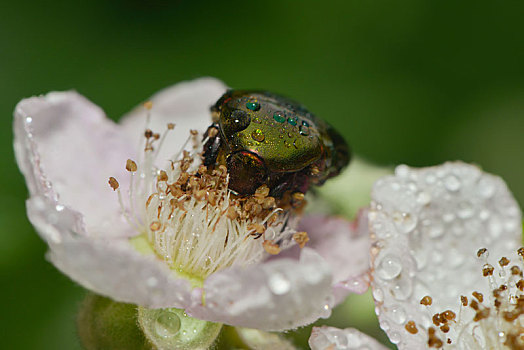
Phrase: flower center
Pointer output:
(193, 221)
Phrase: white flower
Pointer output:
(145, 245)
(434, 282)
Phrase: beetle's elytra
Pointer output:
(263, 138)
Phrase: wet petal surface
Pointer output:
(427, 226)
(331, 338)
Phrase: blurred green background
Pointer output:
(416, 82)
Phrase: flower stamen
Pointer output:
(492, 322)
(194, 222)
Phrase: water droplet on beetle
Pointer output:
(238, 121)
(279, 117)
(304, 130)
(258, 135)
(253, 105)
(292, 120)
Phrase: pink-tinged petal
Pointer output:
(331, 338)
(345, 247)
(427, 226)
(109, 267)
(67, 150)
(276, 295)
(185, 104)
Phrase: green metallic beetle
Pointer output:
(263, 138)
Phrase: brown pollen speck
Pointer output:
(256, 228)
(481, 252)
(411, 327)
(444, 328)
(113, 183)
(271, 247)
(481, 314)
(504, 261)
(520, 285)
(301, 238)
(131, 166)
(448, 315)
(515, 270)
(148, 105)
(155, 226)
(478, 296)
(436, 319)
(426, 300)
(487, 270)
(162, 176)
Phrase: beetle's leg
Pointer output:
(215, 114)
(247, 172)
(212, 145)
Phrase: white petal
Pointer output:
(331, 338)
(427, 225)
(67, 150)
(109, 267)
(276, 295)
(186, 104)
(345, 247)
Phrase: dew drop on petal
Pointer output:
(484, 215)
(423, 198)
(353, 340)
(397, 314)
(394, 337)
(430, 179)
(404, 222)
(455, 257)
(448, 217)
(378, 295)
(402, 171)
(486, 187)
(452, 183)
(465, 210)
(495, 227)
(279, 284)
(167, 324)
(340, 339)
(326, 311)
(421, 258)
(389, 267)
(152, 282)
